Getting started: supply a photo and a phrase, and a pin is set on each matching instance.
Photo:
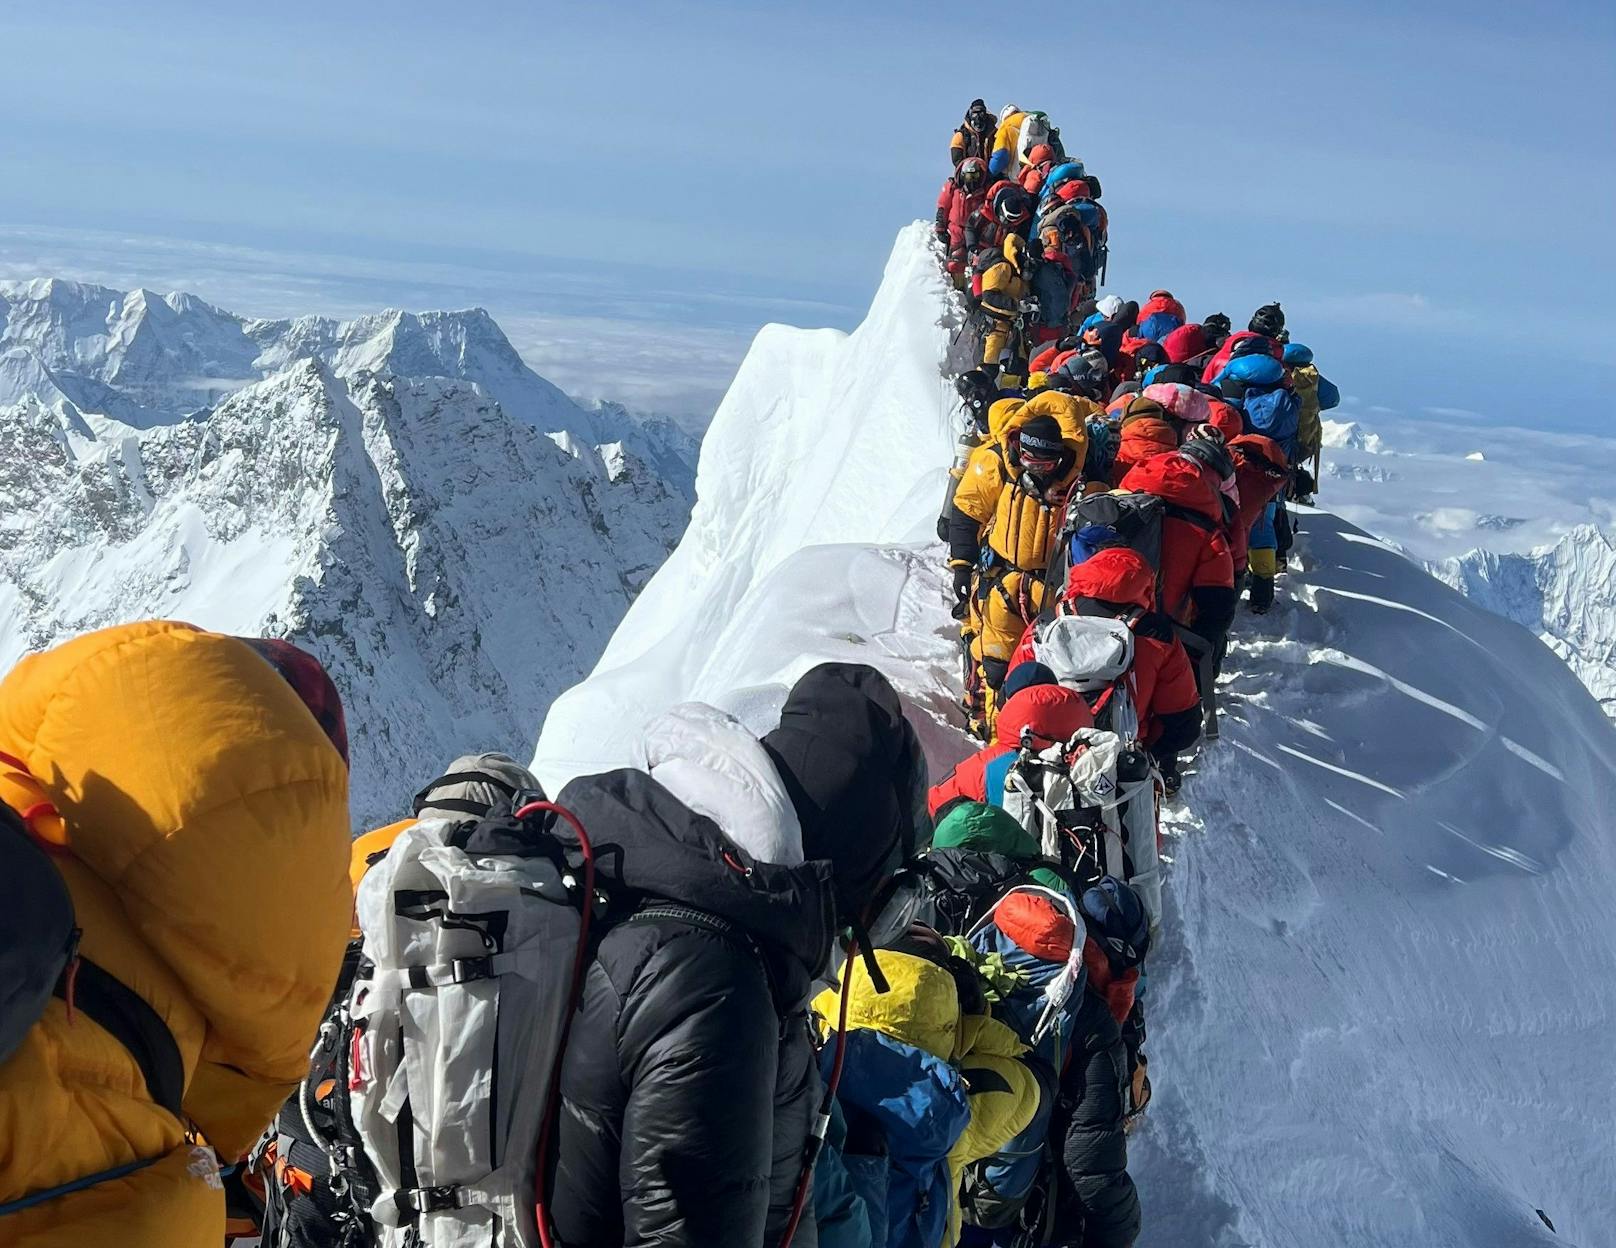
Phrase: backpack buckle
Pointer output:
(419, 1200)
(468, 970)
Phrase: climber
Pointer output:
(1105, 1081)
(1006, 142)
(1035, 709)
(1119, 583)
(742, 857)
(977, 392)
(1007, 512)
(1215, 330)
(962, 195)
(1040, 161)
(1062, 248)
(301, 1188)
(1196, 570)
(974, 136)
(191, 790)
(931, 1082)
(1317, 395)
(1148, 429)
(1004, 284)
(977, 853)
(1160, 315)
(1262, 473)
(1267, 324)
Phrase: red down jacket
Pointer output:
(1257, 487)
(1163, 680)
(1053, 714)
(1194, 552)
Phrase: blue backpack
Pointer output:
(1275, 413)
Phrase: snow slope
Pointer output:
(453, 566)
(1383, 1012)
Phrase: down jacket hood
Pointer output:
(1178, 481)
(856, 775)
(711, 763)
(1052, 712)
(650, 843)
(1184, 343)
(985, 829)
(1114, 575)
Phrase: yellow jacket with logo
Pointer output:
(203, 814)
(1019, 518)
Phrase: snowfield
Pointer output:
(1382, 1014)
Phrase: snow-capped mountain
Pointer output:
(145, 359)
(400, 494)
(1380, 1015)
(1522, 521)
(1566, 593)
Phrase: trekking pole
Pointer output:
(821, 1127)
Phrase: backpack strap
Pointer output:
(1189, 516)
(132, 1022)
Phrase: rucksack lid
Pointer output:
(1086, 652)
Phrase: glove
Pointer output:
(962, 582)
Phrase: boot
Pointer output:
(1261, 601)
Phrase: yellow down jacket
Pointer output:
(204, 818)
(1019, 521)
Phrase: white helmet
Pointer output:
(1007, 110)
(1109, 306)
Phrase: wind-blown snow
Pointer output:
(1382, 1013)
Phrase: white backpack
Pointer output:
(472, 936)
(1094, 655)
(1034, 130)
(1073, 789)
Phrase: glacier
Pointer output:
(452, 536)
(1382, 1013)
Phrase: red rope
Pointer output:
(579, 964)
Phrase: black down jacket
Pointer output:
(1098, 1206)
(689, 1082)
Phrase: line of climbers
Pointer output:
(1122, 480)
(1021, 228)
(753, 991)
(738, 995)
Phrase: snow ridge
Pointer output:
(1381, 1012)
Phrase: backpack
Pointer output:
(425, 1113)
(474, 946)
(1040, 1005)
(957, 891)
(1034, 130)
(1015, 1187)
(1092, 803)
(1094, 655)
(1096, 522)
(1276, 413)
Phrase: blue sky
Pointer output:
(632, 190)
